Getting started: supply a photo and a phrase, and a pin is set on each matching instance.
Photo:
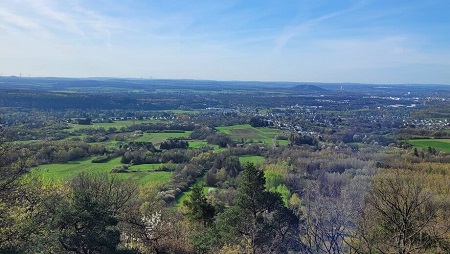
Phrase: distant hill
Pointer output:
(308, 88)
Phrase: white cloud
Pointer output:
(290, 32)
(11, 20)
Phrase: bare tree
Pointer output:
(401, 216)
(333, 206)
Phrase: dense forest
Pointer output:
(185, 166)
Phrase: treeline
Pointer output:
(416, 132)
(46, 152)
(174, 144)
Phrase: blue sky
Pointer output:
(367, 41)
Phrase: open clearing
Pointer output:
(439, 144)
(159, 137)
(248, 133)
(252, 159)
(196, 144)
(141, 173)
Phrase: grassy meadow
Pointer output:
(251, 159)
(439, 144)
(159, 137)
(247, 133)
(141, 173)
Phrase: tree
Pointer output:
(258, 122)
(198, 207)
(416, 153)
(401, 216)
(147, 226)
(232, 166)
(332, 208)
(258, 216)
(24, 221)
(220, 139)
(13, 165)
(86, 222)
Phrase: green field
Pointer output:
(248, 133)
(283, 142)
(143, 174)
(439, 144)
(199, 144)
(252, 159)
(146, 167)
(159, 137)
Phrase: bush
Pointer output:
(101, 159)
(120, 169)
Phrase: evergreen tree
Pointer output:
(199, 209)
(258, 216)
(86, 222)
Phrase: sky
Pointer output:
(361, 41)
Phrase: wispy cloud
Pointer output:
(289, 32)
(60, 20)
(12, 21)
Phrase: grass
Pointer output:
(146, 167)
(199, 144)
(159, 137)
(246, 132)
(148, 177)
(283, 142)
(439, 144)
(252, 159)
(230, 129)
(66, 171)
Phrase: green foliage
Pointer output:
(87, 221)
(201, 132)
(173, 144)
(232, 166)
(198, 207)
(24, 219)
(220, 139)
(295, 201)
(274, 175)
(273, 179)
(284, 193)
(298, 139)
(252, 193)
(222, 232)
(258, 216)
(101, 159)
